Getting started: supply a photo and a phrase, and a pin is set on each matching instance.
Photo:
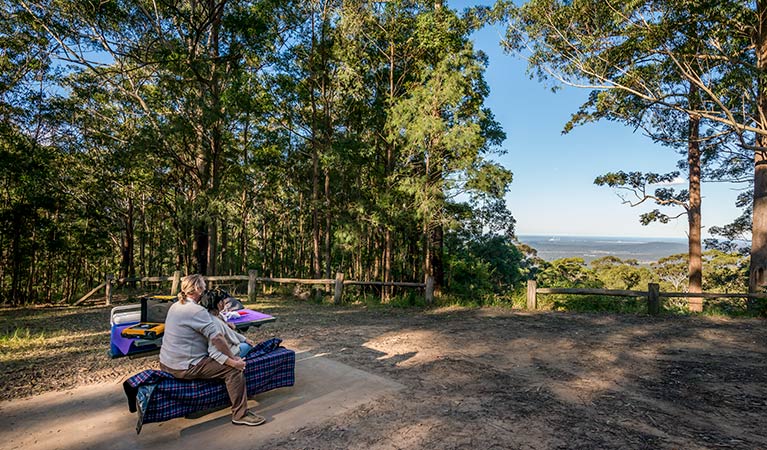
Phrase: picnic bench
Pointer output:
(157, 396)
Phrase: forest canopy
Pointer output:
(294, 138)
(305, 138)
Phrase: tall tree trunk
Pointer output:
(758, 271)
(200, 263)
(436, 253)
(387, 248)
(212, 267)
(275, 244)
(217, 133)
(144, 237)
(127, 267)
(223, 265)
(16, 260)
(262, 256)
(328, 262)
(694, 212)
(242, 238)
(316, 265)
(30, 294)
(301, 262)
(243, 260)
(386, 293)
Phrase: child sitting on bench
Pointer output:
(218, 302)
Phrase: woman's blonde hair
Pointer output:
(189, 284)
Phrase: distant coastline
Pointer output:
(645, 250)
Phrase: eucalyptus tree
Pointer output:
(30, 160)
(668, 127)
(699, 141)
(179, 63)
(307, 100)
(572, 40)
(380, 58)
(628, 59)
(444, 131)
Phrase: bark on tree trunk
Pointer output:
(436, 254)
(16, 261)
(758, 270)
(694, 212)
(427, 260)
(143, 237)
(387, 290)
(316, 266)
(243, 234)
(300, 263)
(212, 248)
(327, 225)
(127, 268)
(200, 263)
(223, 266)
(30, 294)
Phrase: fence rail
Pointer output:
(653, 295)
(338, 283)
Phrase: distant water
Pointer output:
(644, 250)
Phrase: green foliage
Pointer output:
(637, 183)
(615, 273)
(293, 138)
(725, 272)
(482, 267)
(649, 66)
(567, 272)
(672, 272)
(596, 303)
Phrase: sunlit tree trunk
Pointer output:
(127, 266)
(758, 270)
(328, 262)
(694, 211)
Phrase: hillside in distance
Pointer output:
(644, 250)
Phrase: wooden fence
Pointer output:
(252, 278)
(653, 295)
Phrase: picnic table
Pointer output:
(152, 310)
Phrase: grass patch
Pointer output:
(20, 340)
(20, 335)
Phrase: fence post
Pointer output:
(429, 291)
(252, 274)
(532, 300)
(338, 290)
(176, 282)
(108, 288)
(653, 299)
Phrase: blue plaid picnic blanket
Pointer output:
(158, 396)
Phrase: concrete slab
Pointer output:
(97, 416)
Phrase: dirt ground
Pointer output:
(474, 378)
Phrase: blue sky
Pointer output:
(553, 191)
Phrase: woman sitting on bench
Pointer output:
(188, 330)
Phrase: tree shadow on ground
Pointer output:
(497, 378)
